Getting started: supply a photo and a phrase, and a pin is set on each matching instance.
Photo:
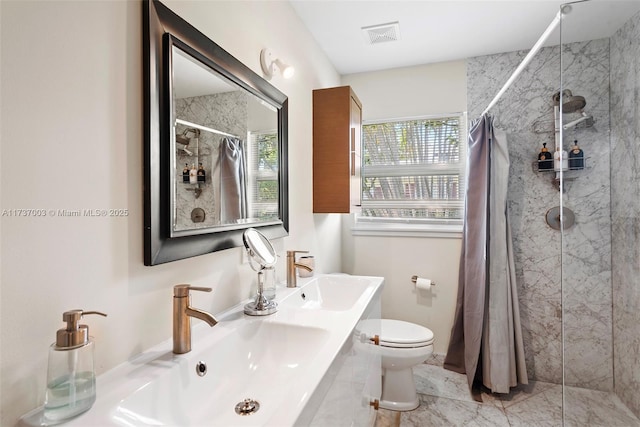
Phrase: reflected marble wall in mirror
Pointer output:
(225, 152)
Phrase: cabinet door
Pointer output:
(355, 147)
(337, 133)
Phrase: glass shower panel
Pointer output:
(600, 266)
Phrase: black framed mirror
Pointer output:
(215, 144)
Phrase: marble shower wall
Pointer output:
(226, 112)
(525, 112)
(625, 210)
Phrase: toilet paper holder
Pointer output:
(414, 279)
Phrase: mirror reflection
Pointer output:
(260, 249)
(224, 154)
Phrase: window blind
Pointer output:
(413, 170)
(263, 182)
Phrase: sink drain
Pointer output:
(247, 407)
(201, 369)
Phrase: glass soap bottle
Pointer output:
(71, 380)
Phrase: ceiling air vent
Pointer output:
(382, 33)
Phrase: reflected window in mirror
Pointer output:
(263, 187)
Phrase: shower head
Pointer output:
(182, 139)
(570, 103)
(182, 142)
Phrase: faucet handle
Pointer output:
(183, 290)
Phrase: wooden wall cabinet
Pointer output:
(337, 132)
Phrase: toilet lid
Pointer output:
(397, 333)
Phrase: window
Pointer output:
(263, 185)
(413, 175)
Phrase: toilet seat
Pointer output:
(396, 333)
(400, 334)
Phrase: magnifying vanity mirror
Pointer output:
(261, 256)
(215, 144)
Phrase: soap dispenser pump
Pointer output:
(71, 380)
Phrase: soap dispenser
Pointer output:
(71, 380)
(576, 157)
(560, 160)
(545, 158)
(193, 174)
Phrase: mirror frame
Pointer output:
(159, 246)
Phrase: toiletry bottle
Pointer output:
(560, 160)
(201, 174)
(71, 380)
(185, 173)
(576, 157)
(193, 174)
(545, 158)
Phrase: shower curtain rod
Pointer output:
(204, 128)
(534, 50)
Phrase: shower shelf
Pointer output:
(535, 167)
(568, 175)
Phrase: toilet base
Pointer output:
(399, 390)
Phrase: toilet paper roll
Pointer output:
(423, 284)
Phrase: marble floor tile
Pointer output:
(596, 408)
(434, 380)
(522, 392)
(438, 411)
(445, 401)
(544, 409)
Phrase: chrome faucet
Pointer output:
(181, 313)
(291, 268)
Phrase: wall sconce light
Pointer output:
(270, 65)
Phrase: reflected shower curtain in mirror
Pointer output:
(486, 339)
(233, 186)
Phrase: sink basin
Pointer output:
(242, 365)
(333, 293)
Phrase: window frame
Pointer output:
(413, 227)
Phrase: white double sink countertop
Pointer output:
(277, 360)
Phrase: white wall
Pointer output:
(409, 92)
(72, 139)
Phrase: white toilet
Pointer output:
(402, 346)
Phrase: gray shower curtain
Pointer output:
(486, 339)
(233, 186)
